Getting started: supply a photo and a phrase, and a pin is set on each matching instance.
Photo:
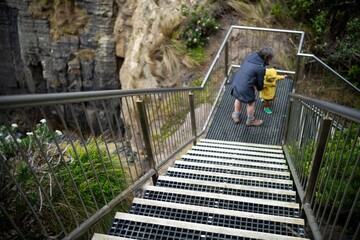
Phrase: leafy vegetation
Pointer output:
(341, 170)
(335, 35)
(60, 182)
(199, 26)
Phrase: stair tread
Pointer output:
(214, 160)
(234, 156)
(242, 152)
(290, 205)
(228, 185)
(240, 147)
(232, 176)
(180, 162)
(201, 228)
(230, 213)
(98, 236)
(241, 143)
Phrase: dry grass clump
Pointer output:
(65, 18)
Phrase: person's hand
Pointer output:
(285, 75)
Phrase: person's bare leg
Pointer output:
(237, 106)
(250, 108)
(251, 120)
(236, 114)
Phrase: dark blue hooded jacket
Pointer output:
(250, 74)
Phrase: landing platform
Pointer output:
(272, 130)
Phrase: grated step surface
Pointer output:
(235, 163)
(233, 156)
(231, 178)
(217, 190)
(232, 170)
(229, 202)
(227, 189)
(218, 217)
(143, 227)
(269, 133)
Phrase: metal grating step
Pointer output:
(238, 152)
(234, 147)
(98, 236)
(271, 131)
(234, 163)
(256, 145)
(237, 157)
(142, 227)
(263, 206)
(218, 217)
(227, 189)
(232, 170)
(230, 178)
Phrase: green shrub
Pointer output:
(43, 160)
(198, 28)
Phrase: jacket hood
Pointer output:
(271, 73)
(255, 58)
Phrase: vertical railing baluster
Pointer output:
(145, 131)
(192, 113)
(318, 156)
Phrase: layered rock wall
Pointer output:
(43, 64)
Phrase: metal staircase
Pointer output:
(218, 190)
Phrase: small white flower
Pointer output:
(8, 138)
(58, 132)
(29, 133)
(194, 40)
(14, 125)
(43, 120)
(18, 140)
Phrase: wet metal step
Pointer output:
(235, 163)
(266, 146)
(232, 170)
(227, 189)
(142, 227)
(234, 147)
(218, 217)
(238, 152)
(98, 236)
(234, 156)
(230, 178)
(263, 206)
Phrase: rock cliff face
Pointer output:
(42, 64)
(113, 51)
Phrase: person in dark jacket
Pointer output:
(248, 79)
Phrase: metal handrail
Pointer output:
(343, 111)
(330, 69)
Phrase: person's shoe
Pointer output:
(267, 110)
(254, 122)
(236, 117)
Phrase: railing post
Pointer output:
(318, 156)
(226, 67)
(296, 78)
(145, 131)
(289, 110)
(192, 114)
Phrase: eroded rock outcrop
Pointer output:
(46, 64)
